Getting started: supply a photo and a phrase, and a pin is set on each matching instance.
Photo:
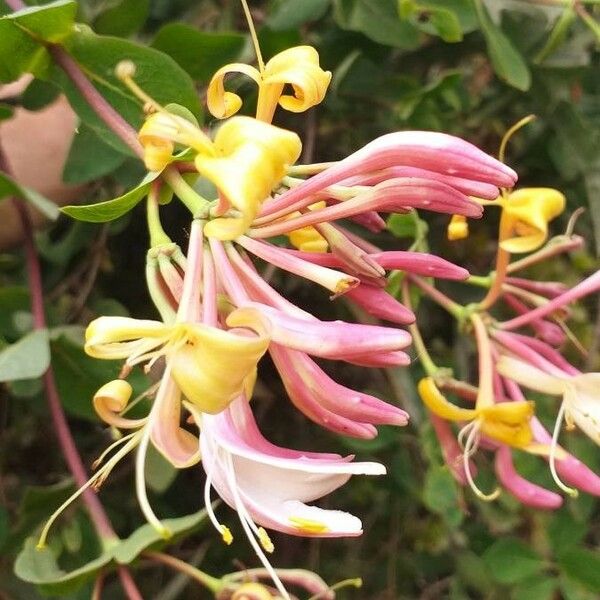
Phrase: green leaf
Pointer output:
(146, 536)
(291, 14)
(21, 33)
(122, 18)
(26, 359)
(583, 566)
(78, 376)
(6, 111)
(89, 157)
(156, 73)
(41, 568)
(510, 561)
(378, 20)
(9, 187)
(33, 509)
(200, 53)
(507, 61)
(440, 494)
(159, 472)
(540, 587)
(432, 19)
(109, 210)
(12, 300)
(558, 34)
(564, 531)
(39, 94)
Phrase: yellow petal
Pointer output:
(212, 368)
(111, 399)
(222, 104)
(510, 413)
(528, 212)
(252, 157)
(458, 228)
(117, 337)
(308, 239)
(298, 67)
(518, 436)
(437, 403)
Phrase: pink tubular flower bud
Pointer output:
(451, 451)
(417, 263)
(301, 373)
(428, 150)
(328, 339)
(380, 304)
(523, 490)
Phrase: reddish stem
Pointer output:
(93, 97)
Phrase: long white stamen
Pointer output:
(244, 520)
(222, 529)
(102, 473)
(140, 482)
(149, 392)
(108, 450)
(470, 448)
(552, 458)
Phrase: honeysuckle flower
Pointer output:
(162, 130)
(526, 214)
(250, 158)
(506, 422)
(194, 352)
(328, 403)
(298, 67)
(580, 393)
(327, 339)
(269, 486)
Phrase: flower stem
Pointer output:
(502, 262)
(95, 99)
(211, 583)
(456, 310)
(196, 204)
(422, 353)
(157, 234)
(485, 395)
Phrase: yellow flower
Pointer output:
(211, 366)
(525, 217)
(298, 67)
(161, 131)
(308, 239)
(250, 158)
(458, 228)
(506, 422)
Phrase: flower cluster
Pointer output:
(516, 353)
(219, 316)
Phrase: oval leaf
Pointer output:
(507, 61)
(26, 359)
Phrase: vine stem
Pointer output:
(91, 95)
(59, 420)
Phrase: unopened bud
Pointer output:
(125, 69)
(252, 591)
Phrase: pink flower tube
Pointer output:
(428, 150)
(328, 339)
(306, 383)
(524, 491)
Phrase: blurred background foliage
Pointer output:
(467, 67)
